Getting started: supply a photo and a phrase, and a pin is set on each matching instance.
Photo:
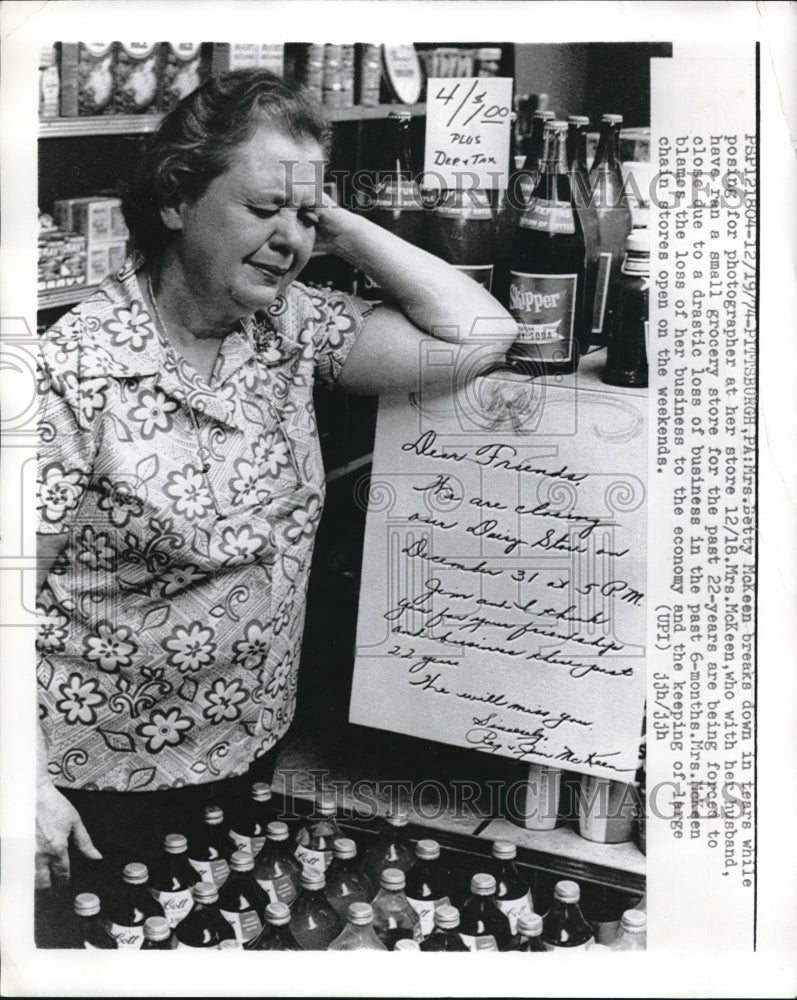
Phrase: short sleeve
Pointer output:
(331, 321)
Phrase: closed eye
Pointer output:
(263, 212)
(309, 218)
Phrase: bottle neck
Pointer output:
(402, 154)
(607, 155)
(577, 148)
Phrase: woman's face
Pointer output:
(244, 240)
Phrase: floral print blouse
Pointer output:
(171, 623)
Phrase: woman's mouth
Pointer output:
(274, 272)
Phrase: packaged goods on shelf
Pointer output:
(62, 257)
(332, 77)
(87, 78)
(136, 76)
(347, 76)
(49, 83)
(99, 219)
(228, 56)
(103, 259)
(369, 75)
(308, 67)
(449, 61)
(182, 71)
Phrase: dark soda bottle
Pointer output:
(564, 926)
(546, 281)
(172, 877)
(314, 839)
(209, 847)
(90, 931)
(314, 920)
(242, 902)
(157, 935)
(204, 927)
(248, 827)
(461, 232)
(482, 925)
(513, 894)
(346, 884)
(511, 203)
(394, 918)
(577, 127)
(445, 934)
(626, 355)
(533, 146)
(614, 222)
(426, 884)
(392, 848)
(277, 871)
(276, 934)
(359, 933)
(128, 907)
(530, 933)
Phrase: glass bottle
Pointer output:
(209, 847)
(513, 894)
(626, 355)
(563, 926)
(128, 908)
(546, 280)
(614, 222)
(394, 918)
(602, 908)
(577, 128)
(541, 794)
(461, 231)
(529, 932)
(314, 920)
(392, 848)
(358, 934)
(248, 827)
(172, 877)
(445, 935)
(276, 934)
(533, 146)
(632, 935)
(204, 927)
(406, 944)
(483, 927)
(426, 884)
(606, 810)
(511, 203)
(277, 871)
(157, 935)
(90, 931)
(242, 902)
(346, 884)
(315, 837)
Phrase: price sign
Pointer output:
(467, 131)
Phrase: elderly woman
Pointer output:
(180, 474)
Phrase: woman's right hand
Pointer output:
(57, 821)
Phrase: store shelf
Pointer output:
(64, 296)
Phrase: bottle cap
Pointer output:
(392, 878)
(242, 861)
(398, 817)
(545, 115)
(638, 241)
(567, 892)
(344, 848)
(135, 873)
(360, 914)
(205, 892)
(86, 904)
(406, 944)
(578, 120)
(326, 805)
(278, 914)
(277, 830)
(229, 943)
(488, 52)
(313, 878)
(557, 125)
(634, 920)
(261, 792)
(175, 843)
(530, 924)
(482, 884)
(213, 815)
(504, 851)
(612, 119)
(427, 850)
(156, 928)
(595, 946)
(403, 116)
(446, 917)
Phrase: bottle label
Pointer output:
(247, 925)
(636, 264)
(601, 291)
(176, 905)
(479, 942)
(549, 217)
(474, 206)
(481, 273)
(212, 947)
(212, 871)
(125, 937)
(279, 889)
(403, 195)
(544, 306)
(318, 860)
(252, 844)
(563, 949)
(425, 909)
(514, 909)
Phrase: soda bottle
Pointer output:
(172, 877)
(533, 146)
(157, 935)
(563, 926)
(129, 907)
(626, 355)
(204, 927)
(632, 935)
(277, 871)
(358, 934)
(406, 944)
(90, 931)
(483, 927)
(614, 222)
(209, 847)
(529, 928)
(314, 920)
(461, 232)
(425, 889)
(577, 127)
(241, 900)
(248, 828)
(394, 918)
(314, 839)
(276, 934)
(391, 850)
(445, 935)
(546, 280)
(602, 908)
(606, 810)
(513, 894)
(511, 203)
(346, 884)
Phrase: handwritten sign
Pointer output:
(503, 588)
(467, 131)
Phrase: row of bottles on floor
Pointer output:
(552, 246)
(251, 886)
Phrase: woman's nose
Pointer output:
(289, 234)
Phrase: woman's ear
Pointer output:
(171, 217)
